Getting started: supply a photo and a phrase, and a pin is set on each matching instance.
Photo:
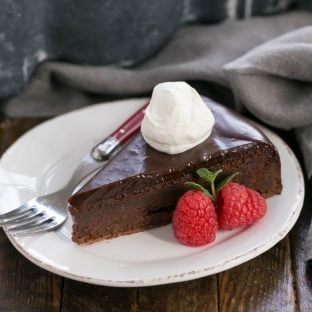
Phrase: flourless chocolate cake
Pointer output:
(139, 187)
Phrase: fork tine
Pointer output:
(17, 211)
(46, 227)
(41, 219)
(20, 218)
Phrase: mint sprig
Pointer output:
(210, 177)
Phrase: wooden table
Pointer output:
(278, 280)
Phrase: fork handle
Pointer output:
(104, 149)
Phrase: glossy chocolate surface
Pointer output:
(138, 165)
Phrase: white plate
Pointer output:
(42, 159)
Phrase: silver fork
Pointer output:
(48, 212)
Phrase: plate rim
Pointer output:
(174, 278)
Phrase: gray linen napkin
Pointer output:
(274, 82)
(196, 52)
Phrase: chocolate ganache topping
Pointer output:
(137, 160)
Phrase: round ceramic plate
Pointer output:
(42, 159)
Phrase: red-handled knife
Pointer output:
(104, 149)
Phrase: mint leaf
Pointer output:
(205, 174)
(208, 175)
(225, 181)
(195, 186)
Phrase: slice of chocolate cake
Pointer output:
(138, 188)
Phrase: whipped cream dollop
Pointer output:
(177, 119)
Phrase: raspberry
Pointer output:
(194, 219)
(239, 206)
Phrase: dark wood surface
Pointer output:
(277, 280)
